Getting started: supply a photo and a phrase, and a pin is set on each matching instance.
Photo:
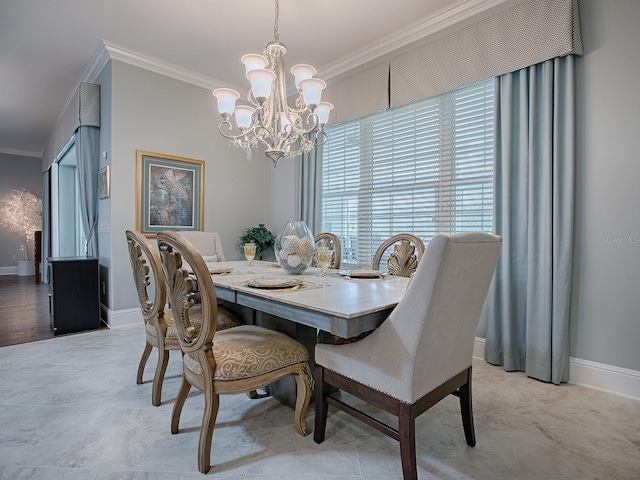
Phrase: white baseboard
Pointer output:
(122, 318)
(478, 348)
(598, 376)
(608, 378)
(9, 270)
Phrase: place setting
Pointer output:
(362, 273)
(219, 271)
(214, 269)
(279, 284)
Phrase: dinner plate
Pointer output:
(219, 270)
(361, 273)
(273, 282)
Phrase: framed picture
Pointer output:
(169, 193)
(104, 182)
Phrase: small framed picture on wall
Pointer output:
(104, 182)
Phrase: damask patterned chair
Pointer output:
(160, 330)
(407, 252)
(237, 360)
(330, 240)
(158, 319)
(422, 352)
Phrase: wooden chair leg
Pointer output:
(322, 407)
(466, 408)
(303, 397)
(407, 431)
(177, 407)
(143, 362)
(161, 368)
(211, 405)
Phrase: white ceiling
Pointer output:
(47, 46)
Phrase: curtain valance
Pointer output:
(359, 95)
(526, 34)
(83, 111)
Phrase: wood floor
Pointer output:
(24, 310)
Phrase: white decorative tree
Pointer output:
(21, 212)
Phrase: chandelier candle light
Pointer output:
(269, 120)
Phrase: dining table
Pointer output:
(356, 301)
(349, 306)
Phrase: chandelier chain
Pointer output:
(275, 21)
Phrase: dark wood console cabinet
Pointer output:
(73, 294)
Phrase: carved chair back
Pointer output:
(147, 272)
(407, 252)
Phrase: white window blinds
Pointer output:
(424, 168)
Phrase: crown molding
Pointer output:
(21, 153)
(442, 19)
(126, 55)
(97, 63)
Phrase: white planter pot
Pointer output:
(26, 268)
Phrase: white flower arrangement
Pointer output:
(21, 212)
(295, 253)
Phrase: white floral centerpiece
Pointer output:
(295, 247)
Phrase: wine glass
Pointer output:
(250, 254)
(324, 256)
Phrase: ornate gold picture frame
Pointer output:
(169, 193)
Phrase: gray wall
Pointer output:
(605, 315)
(104, 205)
(159, 114)
(17, 171)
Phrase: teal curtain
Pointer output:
(88, 151)
(309, 189)
(527, 312)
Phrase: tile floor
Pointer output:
(70, 408)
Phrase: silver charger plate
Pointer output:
(362, 273)
(273, 282)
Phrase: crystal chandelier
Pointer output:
(285, 131)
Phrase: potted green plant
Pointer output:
(259, 235)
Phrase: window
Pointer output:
(68, 238)
(424, 168)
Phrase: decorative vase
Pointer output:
(294, 247)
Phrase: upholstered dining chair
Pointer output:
(208, 244)
(160, 330)
(237, 360)
(403, 261)
(422, 352)
(327, 239)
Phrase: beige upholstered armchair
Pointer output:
(330, 240)
(208, 244)
(422, 352)
(236, 360)
(407, 252)
(158, 319)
